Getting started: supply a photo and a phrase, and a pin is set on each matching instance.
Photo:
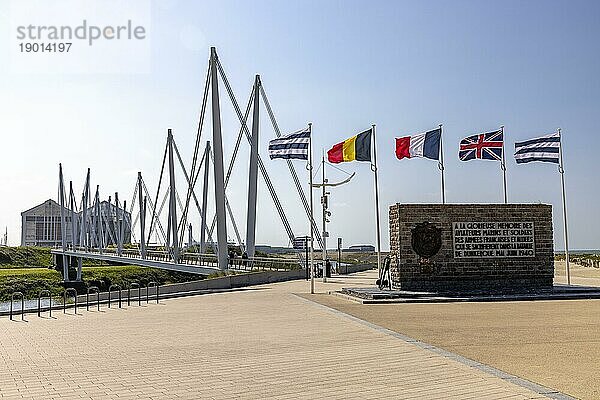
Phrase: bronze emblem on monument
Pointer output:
(426, 239)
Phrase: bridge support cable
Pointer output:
(292, 168)
(191, 179)
(92, 225)
(98, 229)
(115, 218)
(160, 178)
(72, 205)
(73, 208)
(120, 223)
(192, 184)
(124, 224)
(133, 223)
(85, 200)
(179, 202)
(172, 200)
(230, 212)
(155, 216)
(84, 211)
(132, 204)
(63, 225)
(239, 138)
(94, 222)
(204, 229)
(219, 179)
(261, 165)
(108, 235)
(235, 152)
(142, 207)
(253, 172)
(181, 229)
(85, 225)
(117, 224)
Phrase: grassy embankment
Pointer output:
(27, 270)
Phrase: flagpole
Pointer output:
(310, 189)
(561, 170)
(503, 166)
(325, 234)
(374, 167)
(441, 167)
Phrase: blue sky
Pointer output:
(404, 65)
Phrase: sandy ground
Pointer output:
(553, 343)
(579, 275)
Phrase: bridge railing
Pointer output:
(263, 263)
(202, 259)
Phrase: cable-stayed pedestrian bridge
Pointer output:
(189, 262)
(103, 230)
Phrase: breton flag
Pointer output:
(545, 149)
(356, 148)
(294, 146)
(484, 146)
(425, 145)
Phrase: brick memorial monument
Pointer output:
(471, 247)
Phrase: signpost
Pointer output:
(339, 260)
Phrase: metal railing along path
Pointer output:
(12, 300)
(134, 285)
(87, 297)
(190, 262)
(152, 284)
(110, 294)
(72, 293)
(65, 294)
(262, 264)
(40, 294)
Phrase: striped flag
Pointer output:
(294, 146)
(545, 149)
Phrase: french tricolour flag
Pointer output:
(425, 145)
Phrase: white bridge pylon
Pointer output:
(93, 239)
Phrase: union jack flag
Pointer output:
(484, 146)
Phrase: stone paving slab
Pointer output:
(262, 343)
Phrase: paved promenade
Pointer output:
(263, 342)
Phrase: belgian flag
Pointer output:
(357, 148)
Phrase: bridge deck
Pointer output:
(201, 264)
